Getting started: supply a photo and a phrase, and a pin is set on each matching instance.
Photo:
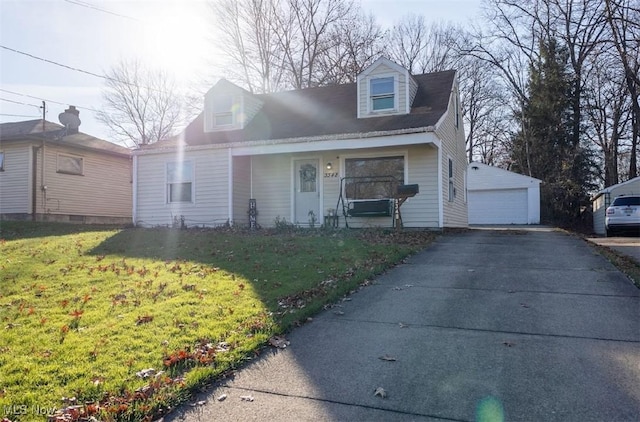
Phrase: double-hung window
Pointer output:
(223, 110)
(382, 92)
(179, 182)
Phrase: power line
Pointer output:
(18, 115)
(90, 6)
(19, 102)
(48, 101)
(106, 78)
(55, 63)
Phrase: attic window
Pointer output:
(223, 110)
(382, 92)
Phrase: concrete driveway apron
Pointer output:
(483, 325)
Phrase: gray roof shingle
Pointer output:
(326, 111)
(53, 132)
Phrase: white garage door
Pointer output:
(505, 206)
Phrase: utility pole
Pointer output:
(44, 110)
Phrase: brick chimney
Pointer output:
(70, 119)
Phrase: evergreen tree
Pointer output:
(544, 147)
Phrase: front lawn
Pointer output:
(124, 324)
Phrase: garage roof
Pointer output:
(482, 177)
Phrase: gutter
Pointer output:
(300, 140)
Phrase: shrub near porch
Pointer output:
(87, 312)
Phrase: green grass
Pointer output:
(83, 310)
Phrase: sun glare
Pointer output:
(176, 38)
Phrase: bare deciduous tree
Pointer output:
(623, 17)
(140, 105)
(276, 44)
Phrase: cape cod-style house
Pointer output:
(341, 155)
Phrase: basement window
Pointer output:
(70, 164)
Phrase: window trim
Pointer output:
(393, 94)
(451, 172)
(383, 154)
(73, 157)
(169, 183)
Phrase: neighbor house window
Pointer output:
(180, 182)
(223, 110)
(373, 178)
(70, 164)
(1, 161)
(382, 92)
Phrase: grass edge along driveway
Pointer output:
(124, 324)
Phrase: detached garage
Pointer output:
(497, 196)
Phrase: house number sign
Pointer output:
(331, 175)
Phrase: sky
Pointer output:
(174, 35)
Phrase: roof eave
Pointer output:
(306, 139)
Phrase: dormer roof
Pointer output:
(326, 111)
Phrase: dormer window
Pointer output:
(382, 92)
(223, 111)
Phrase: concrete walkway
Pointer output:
(483, 325)
(628, 245)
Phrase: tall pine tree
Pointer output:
(544, 147)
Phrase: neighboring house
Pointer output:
(601, 200)
(498, 196)
(52, 173)
(296, 153)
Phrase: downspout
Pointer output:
(440, 188)
(34, 180)
(230, 188)
(134, 191)
(43, 179)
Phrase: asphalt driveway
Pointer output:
(483, 325)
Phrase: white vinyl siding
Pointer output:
(455, 212)
(210, 205)
(16, 180)
(241, 189)
(272, 177)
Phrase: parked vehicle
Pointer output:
(623, 215)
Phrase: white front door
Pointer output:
(307, 192)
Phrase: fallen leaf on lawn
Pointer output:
(388, 358)
(508, 343)
(279, 342)
(246, 398)
(222, 397)
(380, 392)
